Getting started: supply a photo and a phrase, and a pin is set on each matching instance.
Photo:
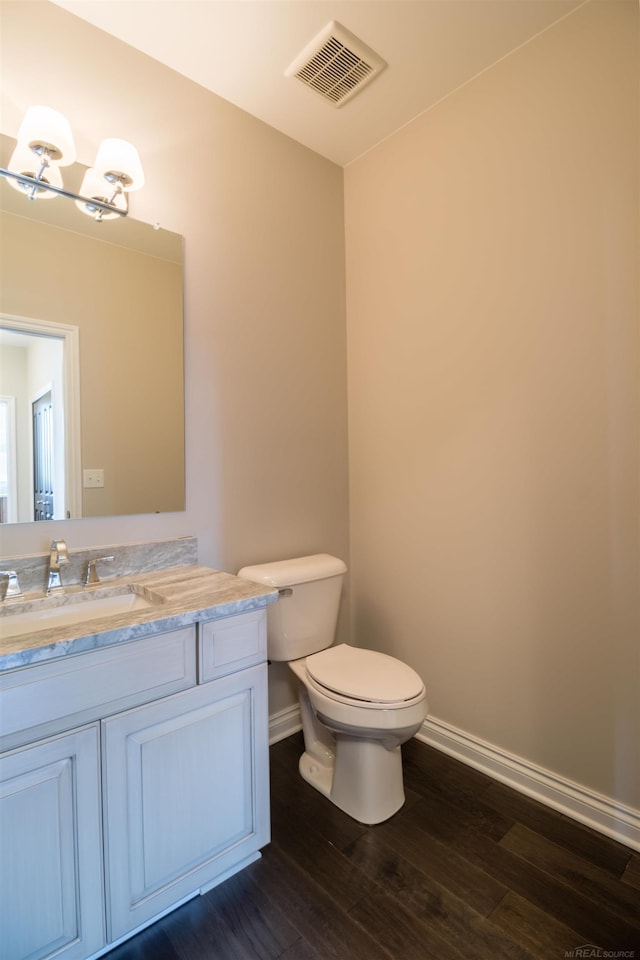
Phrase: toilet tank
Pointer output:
(304, 619)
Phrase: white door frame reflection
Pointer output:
(36, 354)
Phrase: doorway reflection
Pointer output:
(36, 479)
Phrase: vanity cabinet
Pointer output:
(51, 890)
(57, 695)
(185, 794)
(136, 777)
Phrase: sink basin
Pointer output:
(59, 611)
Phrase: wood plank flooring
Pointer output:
(467, 870)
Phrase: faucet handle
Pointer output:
(91, 574)
(12, 588)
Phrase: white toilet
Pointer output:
(357, 705)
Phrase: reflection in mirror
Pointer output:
(39, 438)
(91, 364)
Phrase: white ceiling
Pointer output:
(240, 49)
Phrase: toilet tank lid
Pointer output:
(287, 573)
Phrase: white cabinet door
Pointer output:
(186, 794)
(51, 890)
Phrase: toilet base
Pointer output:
(364, 780)
(317, 773)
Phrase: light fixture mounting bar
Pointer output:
(33, 182)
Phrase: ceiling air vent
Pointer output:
(336, 64)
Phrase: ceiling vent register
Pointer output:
(336, 64)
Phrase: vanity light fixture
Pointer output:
(30, 166)
(45, 143)
(95, 197)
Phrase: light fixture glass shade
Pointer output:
(119, 159)
(95, 187)
(46, 128)
(24, 161)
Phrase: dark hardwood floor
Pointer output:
(467, 869)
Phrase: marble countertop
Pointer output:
(182, 595)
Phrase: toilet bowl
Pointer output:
(357, 706)
(352, 740)
(356, 690)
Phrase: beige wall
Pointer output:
(492, 302)
(265, 355)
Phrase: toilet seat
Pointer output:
(363, 677)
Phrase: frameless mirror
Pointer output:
(91, 362)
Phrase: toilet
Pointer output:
(357, 706)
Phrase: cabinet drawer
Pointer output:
(47, 698)
(231, 644)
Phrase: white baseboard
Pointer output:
(593, 809)
(599, 812)
(283, 723)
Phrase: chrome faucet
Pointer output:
(57, 556)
